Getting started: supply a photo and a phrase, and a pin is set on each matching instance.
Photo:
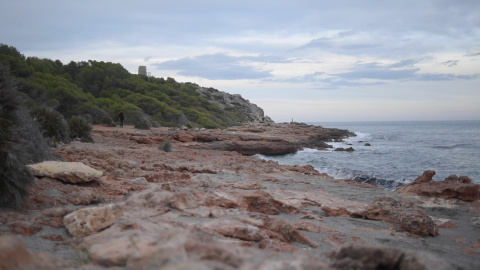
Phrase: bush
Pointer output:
(166, 146)
(53, 125)
(142, 122)
(21, 143)
(80, 128)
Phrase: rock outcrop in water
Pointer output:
(203, 206)
(447, 189)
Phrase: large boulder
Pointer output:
(70, 172)
(452, 187)
(89, 220)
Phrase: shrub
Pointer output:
(53, 125)
(166, 146)
(142, 121)
(21, 143)
(80, 128)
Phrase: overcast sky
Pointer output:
(338, 60)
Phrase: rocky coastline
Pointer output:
(124, 202)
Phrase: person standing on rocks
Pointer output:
(120, 115)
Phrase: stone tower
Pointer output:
(142, 70)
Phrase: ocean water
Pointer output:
(399, 152)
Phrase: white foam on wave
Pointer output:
(309, 150)
(361, 136)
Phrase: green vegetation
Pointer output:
(165, 146)
(21, 143)
(45, 102)
(98, 90)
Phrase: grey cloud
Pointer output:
(404, 63)
(450, 63)
(214, 67)
(473, 54)
(378, 72)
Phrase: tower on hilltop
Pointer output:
(142, 70)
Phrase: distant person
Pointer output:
(120, 115)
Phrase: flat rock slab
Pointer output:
(70, 172)
(89, 220)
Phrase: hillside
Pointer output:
(97, 90)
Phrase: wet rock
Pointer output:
(70, 172)
(341, 149)
(89, 220)
(15, 255)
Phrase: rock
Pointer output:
(425, 186)
(234, 229)
(341, 149)
(70, 172)
(24, 227)
(403, 215)
(464, 179)
(271, 148)
(84, 196)
(365, 258)
(15, 255)
(426, 177)
(263, 202)
(289, 233)
(89, 220)
(367, 144)
(451, 178)
(141, 181)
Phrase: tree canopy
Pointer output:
(97, 90)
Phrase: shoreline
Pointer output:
(204, 196)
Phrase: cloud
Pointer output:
(450, 63)
(375, 73)
(215, 67)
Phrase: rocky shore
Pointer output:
(127, 201)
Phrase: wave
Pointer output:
(337, 173)
(379, 182)
(460, 145)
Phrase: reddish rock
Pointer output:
(403, 215)
(24, 227)
(426, 177)
(365, 258)
(263, 202)
(288, 233)
(464, 179)
(15, 255)
(425, 186)
(451, 178)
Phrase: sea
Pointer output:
(391, 154)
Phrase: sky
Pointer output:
(306, 60)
